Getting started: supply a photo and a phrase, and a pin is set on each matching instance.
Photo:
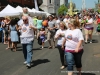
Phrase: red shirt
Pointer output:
(98, 21)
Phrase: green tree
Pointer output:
(62, 10)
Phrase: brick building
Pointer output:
(23, 3)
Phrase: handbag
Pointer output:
(39, 41)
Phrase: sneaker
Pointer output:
(90, 41)
(62, 67)
(28, 65)
(42, 47)
(25, 63)
(45, 40)
(86, 42)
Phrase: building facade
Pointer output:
(65, 2)
(23, 3)
(50, 6)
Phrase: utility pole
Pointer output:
(98, 1)
(83, 4)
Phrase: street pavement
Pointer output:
(47, 61)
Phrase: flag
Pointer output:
(36, 5)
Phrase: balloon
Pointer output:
(45, 23)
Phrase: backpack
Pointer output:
(98, 28)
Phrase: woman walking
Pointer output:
(60, 34)
(88, 29)
(6, 31)
(14, 34)
(73, 47)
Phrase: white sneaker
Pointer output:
(90, 41)
(28, 65)
(42, 47)
(62, 67)
(25, 63)
(45, 40)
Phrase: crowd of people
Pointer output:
(66, 30)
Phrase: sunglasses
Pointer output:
(25, 20)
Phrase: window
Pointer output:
(50, 1)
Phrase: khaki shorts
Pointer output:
(50, 35)
(88, 31)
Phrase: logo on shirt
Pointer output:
(69, 37)
(24, 29)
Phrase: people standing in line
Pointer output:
(27, 39)
(51, 32)
(14, 34)
(60, 34)
(88, 29)
(73, 47)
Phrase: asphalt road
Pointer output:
(47, 61)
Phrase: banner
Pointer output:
(36, 5)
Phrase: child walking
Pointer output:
(42, 35)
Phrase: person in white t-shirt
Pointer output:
(60, 34)
(88, 28)
(66, 20)
(27, 39)
(73, 47)
(57, 23)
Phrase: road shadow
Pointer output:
(19, 47)
(32, 49)
(94, 41)
(88, 74)
(37, 49)
(39, 61)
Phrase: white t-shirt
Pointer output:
(27, 34)
(66, 21)
(57, 23)
(72, 39)
(60, 40)
(89, 25)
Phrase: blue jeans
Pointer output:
(73, 58)
(28, 52)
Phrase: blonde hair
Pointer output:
(65, 27)
(39, 17)
(75, 23)
(8, 17)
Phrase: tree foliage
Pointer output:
(62, 9)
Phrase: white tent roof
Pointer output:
(19, 9)
(36, 11)
(29, 10)
(9, 11)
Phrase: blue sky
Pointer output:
(89, 3)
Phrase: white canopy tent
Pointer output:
(19, 9)
(45, 13)
(37, 13)
(9, 11)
